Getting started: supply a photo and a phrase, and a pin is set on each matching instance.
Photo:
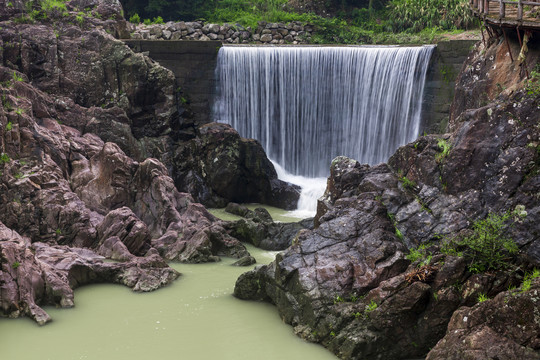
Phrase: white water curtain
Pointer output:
(307, 105)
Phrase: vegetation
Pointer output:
(527, 280)
(444, 147)
(533, 84)
(350, 21)
(417, 15)
(370, 307)
(407, 183)
(15, 265)
(4, 159)
(489, 246)
(421, 253)
(482, 297)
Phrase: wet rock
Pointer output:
(39, 274)
(505, 327)
(245, 261)
(346, 283)
(219, 166)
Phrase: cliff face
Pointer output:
(347, 283)
(88, 130)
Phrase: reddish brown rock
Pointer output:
(40, 274)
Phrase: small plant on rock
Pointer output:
(370, 307)
(4, 159)
(15, 265)
(533, 84)
(527, 280)
(16, 77)
(482, 297)
(444, 147)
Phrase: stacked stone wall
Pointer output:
(266, 33)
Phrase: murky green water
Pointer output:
(276, 213)
(194, 318)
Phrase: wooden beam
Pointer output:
(520, 10)
(507, 44)
(502, 9)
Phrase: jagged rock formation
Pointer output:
(347, 284)
(87, 133)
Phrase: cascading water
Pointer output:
(307, 105)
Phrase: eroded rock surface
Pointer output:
(42, 274)
(80, 118)
(347, 284)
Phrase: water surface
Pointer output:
(194, 318)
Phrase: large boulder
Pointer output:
(219, 166)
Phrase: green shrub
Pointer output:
(158, 20)
(9, 126)
(420, 253)
(527, 280)
(370, 307)
(416, 15)
(80, 18)
(135, 19)
(533, 84)
(16, 77)
(15, 265)
(407, 183)
(54, 7)
(489, 247)
(4, 159)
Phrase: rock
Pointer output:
(245, 261)
(505, 327)
(124, 225)
(266, 38)
(346, 283)
(40, 274)
(113, 248)
(219, 166)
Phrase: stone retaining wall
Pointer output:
(265, 33)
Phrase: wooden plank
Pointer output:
(502, 9)
(520, 10)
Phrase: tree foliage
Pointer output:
(169, 10)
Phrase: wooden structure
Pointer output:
(509, 13)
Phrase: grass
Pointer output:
(482, 297)
(527, 280)
(407, 183)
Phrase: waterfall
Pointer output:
(309, 104)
